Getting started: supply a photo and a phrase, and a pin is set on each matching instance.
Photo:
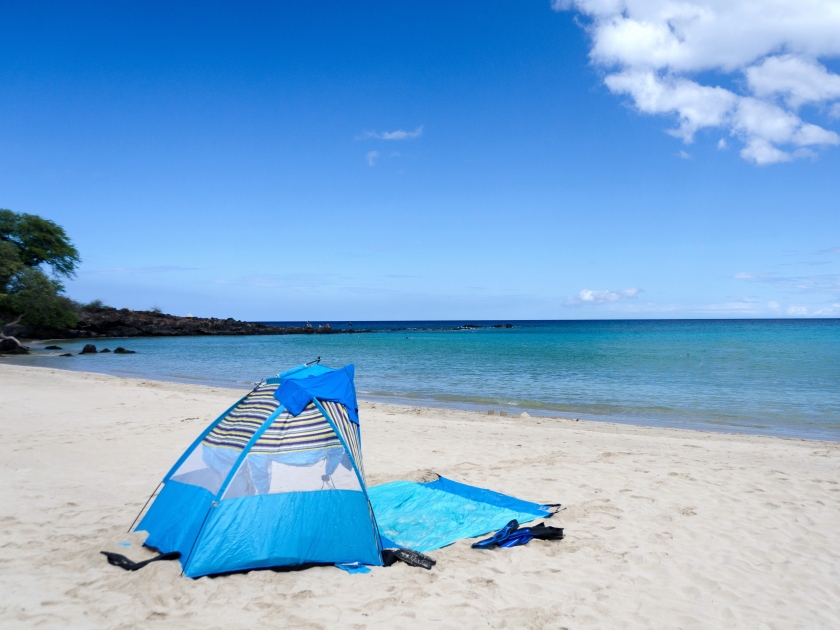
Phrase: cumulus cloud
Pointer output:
(654, 50)
(797, 80)
(399, 134)
(589, 296)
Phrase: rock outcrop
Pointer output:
(8, 346)
(126, 323)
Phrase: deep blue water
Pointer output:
(775, 377)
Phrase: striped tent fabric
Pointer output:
(239, 426)
(260, 487)
(307, 431)
(349, 432)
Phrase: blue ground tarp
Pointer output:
(428, 516)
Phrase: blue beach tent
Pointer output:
(277, 480)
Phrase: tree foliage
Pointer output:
(96, 306)
(39, 241)
(10, 263)
(28, 242)
(38, 298)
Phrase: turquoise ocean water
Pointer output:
(773, 377)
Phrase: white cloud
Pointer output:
(696, 106)
(722, 144)
(798, 80)
(833, 310)
(589, 296)
(684, 155)
(652, 51)
(399, 134)
(773, 304)
(371, 157)
(796, 310)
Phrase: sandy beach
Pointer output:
(664, 528)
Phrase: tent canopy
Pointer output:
(268, 484)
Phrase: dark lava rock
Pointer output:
(126, 323)
(122, 350)
(104, 350)
(88, 349)
(7, 346)
(66, 354)
(502, 325)
(53, 348)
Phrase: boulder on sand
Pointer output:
(88, 349)
(9, 346)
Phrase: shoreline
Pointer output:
(407, 400)
(664, 527)
(404, 404)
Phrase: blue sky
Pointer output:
(416, 160)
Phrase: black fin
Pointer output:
(119, 560)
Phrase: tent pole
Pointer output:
(234, 469)
(136, 518)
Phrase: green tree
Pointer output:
(10, 263)
(27, 294)
(39, 241)
(38, 299)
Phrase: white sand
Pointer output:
(664, 528)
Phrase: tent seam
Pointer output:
(234, 469)
(201, 437)
(362, 482)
